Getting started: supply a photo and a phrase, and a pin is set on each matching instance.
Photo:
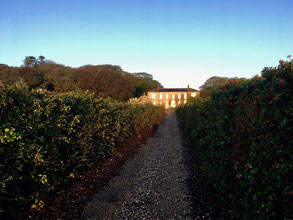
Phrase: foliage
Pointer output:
(141, 82)
(103, 80)
(211, 84)
(243, 138)
(31, 61)
(46, 139)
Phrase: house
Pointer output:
(171, 97)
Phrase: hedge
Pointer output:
(243, 140)
(46, 139)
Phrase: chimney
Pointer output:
(188, 90)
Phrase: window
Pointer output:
(185, 95)
(161, 95)
(167, 96)
(153, 95)
(193, 94)
(185, 101)
(179, 96)
(173, 96)
(167, 104)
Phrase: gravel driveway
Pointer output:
(154, 184)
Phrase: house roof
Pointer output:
(174, 90)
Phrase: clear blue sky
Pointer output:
(177, 41)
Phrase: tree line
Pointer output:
(104, 80)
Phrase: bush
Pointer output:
(46, 139)
(243, 138)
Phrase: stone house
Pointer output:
(172, 97)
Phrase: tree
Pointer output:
(41, 59)
(58, 77)
(143, 75)
(30, 61)
(31, 77)
(105, 81)
(4, 72)
(142, 82)
(211, 84)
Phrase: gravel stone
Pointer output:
(154, 183)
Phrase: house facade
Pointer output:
(172, 97)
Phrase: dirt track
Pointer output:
(159, 182)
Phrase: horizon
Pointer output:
(178, 43)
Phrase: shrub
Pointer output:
(46, 139)
(243, 138)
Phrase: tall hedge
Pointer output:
(243, 136)
(47, 138)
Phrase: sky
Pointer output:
(179, 42)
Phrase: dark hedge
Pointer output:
(46, 139)
(243, 136)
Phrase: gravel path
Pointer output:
(153, 184)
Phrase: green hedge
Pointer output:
(243, 136)
(46, 139)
